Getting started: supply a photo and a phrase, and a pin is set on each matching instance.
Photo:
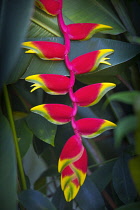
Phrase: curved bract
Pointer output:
(55, 113)
(72, 166)
(51, 7)
(90, 61)
(46, 50)
(84, 31)
(92, 94)
(52, 84)
(92, 127)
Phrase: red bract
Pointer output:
(90, 61)
(55, 113)
(46, 50)
(84, 31)
(92, 127)
(51, 83)
(91, 94)
(72, 166)
(52, 7)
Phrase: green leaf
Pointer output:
(97, 176)
(12, 33)
(134, 166)
(122, 182)
(125, 97)
(120, 59)
(130, 206)
(89, 197)
(8, 177)
(40, 184)
(32, 199)
(43, 25)
(41, 128)
(94, 11)
(125, 126)
(60, 202)
(24, 135)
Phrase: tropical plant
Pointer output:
(71, 83)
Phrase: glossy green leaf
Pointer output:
(125, 126)
(89, 197)
(93, 12)
(125, 97)
(130, 206)
(40, 184)
(43, 25)
(97, 175)
(41, 128)
(8, 177)
(24, 135)
(32, 199)
(60, 202)
(122, 182)
(12, 33)
(134, 166)
(124, 52)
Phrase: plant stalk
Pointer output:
(12, 124)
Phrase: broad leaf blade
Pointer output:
(8, 182)
(130, 206)
(41, 128)
(124, 127)
(125, 97)
(24, 135)
(122, 181)
(93, 12)
(89, 197)
(32, 199)
(12, 33)
(97, 175)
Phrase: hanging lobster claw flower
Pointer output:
(58, 114)
(91, 94)
(51, 7)
(84, 31)
(53, 84)
(46, 50)
(73, 167)
(90, 61)
(92, 127)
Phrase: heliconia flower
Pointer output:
(46, 50)
(55, 113)
(52, 7)
(84, 31)
(73, 167)
(51, 83)
(91, 94)
(90, 61)
(92, 127)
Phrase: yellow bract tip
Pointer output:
(30, 51)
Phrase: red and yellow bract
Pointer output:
(92, 127)
(46, 50)
(84, 31)
(52, 7)
(91, 94)
(55, 113)
(53, 84)
(90, 61)
(72, 166)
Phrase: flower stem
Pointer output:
(18, 155)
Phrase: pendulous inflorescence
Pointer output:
(73, 159)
